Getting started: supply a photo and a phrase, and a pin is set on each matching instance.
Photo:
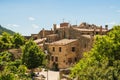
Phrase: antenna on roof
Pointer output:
(63, 20)
(68, 21)
(76, 22)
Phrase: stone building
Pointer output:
(65, 45)
(34, 36)
(43, 33)
(63, 52)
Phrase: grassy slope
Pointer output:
(2, 29)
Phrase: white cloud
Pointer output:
(35, 26)
(31, 18)
(12, 25)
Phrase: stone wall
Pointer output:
(52, 38)
(43, 33)
(74, 34)
(34, 36)
(85, 43)
(84, 33)
(66, 57)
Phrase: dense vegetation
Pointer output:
(2, 29)
(15, 69)
(32, 56)
(11, 69)
(103, 61)
(8, 42)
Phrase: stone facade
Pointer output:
(59, 42)
(34, 36)
(63, 52)
(52, 38)
(43, 33)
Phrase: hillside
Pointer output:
(2, 29)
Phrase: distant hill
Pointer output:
(2, 29)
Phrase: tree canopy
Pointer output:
(7, 41)
(18, 40)
(32, 55)
(103, 61)
(11, 69)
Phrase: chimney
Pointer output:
(54, 27)
(106, 27)
(43, 32)
(51, 29)
(65, 24)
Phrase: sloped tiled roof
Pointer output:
(89, 30)
(63, 42)
(39, 40)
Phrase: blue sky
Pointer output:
(30, 16)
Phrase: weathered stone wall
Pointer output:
(65, 54)
(44, 33)
(34, 36)
(64, 24)
(85, 35)
(63, 33)
(85, 43)
(52, 38)
(74, 34)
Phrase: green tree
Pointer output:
(5, 41)
(32, 56)
(7, 76)
(22, 69)
(16, 63)
(18, 40)
(6, 38)
(12, 69)
(5, 56)
(103, 61)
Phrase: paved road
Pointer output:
(52, 75)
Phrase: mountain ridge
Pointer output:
(3, 29)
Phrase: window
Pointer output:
(73, 49)
(52, 58)
(60, 49)
(69, 60)
(85, 45)
(56, 59)
(75, 59)
(53, 49)
(97, 32)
